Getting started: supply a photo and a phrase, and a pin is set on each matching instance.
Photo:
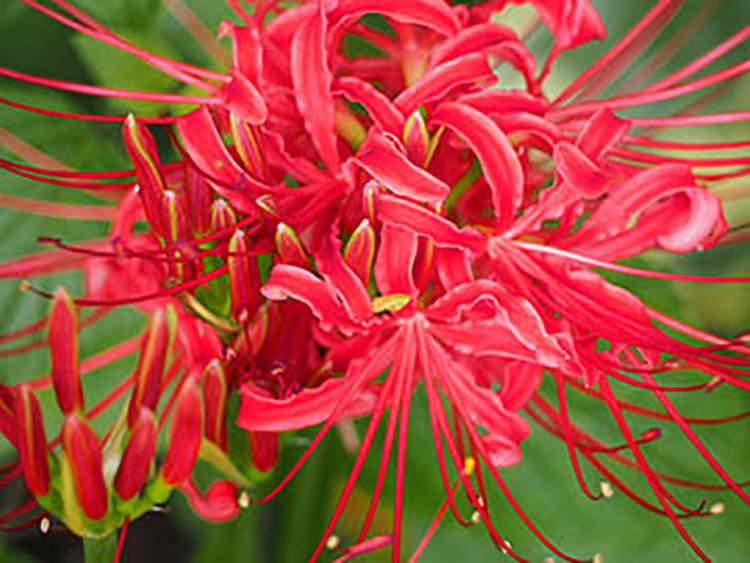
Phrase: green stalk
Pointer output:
(100, 550)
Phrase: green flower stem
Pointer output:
(100, 550)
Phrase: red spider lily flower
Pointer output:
(429, 229)
(436, 345)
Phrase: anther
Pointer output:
(717, 508)
(243, 500)
(24, 286)
(598, 558)
(469, 465)
(333, 542)
(476, 517)
(607, 490)
(505, 548)
(44, 525)
(713, 384)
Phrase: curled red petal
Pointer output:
(583, 177)
(572, 22)
(312, 86)
(203, 144)
(602, 132)
(467, 69)
(261, 412)
(500, 163)
(505, 101)
(394, 263)
(434, 14)
(440, 80)
(349, 288)
(291, 281)
(387, 164)
(217, 504)
(378, 106)
(444, 233)
(243, 99)
(671, 212)
(472, 39)
(247, 50)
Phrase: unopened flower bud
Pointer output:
(174, 218)
(360, 251)
(63, 345)
(142, 150)
(218, 504)
(290, 248)
(198, 198)
(264, 449)
(185, 436)
(249, 145)
(132, 472)
(7, 414)
(222, 216)
(370, 194)
(85, 457)
(151, 362)
(244, 278)
(215, 403)
(416, 138)
(32, 443)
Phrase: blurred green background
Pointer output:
(287, 529)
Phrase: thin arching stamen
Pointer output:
(646, 469)
(627, 269)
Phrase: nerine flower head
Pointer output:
(425, 227)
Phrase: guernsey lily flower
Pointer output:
(375, 204)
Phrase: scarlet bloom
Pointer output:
(340, 232)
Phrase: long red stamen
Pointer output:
(165, 120)
(651, 96)
(121, 540)
(370, 371)
(89, 90)
(175, 289)
(567, 432)
(659, 13)
(181, 71)
(652, 479)
(552, 427)
(628, 269)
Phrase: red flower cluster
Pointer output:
(424, 226)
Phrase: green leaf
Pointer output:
(115, 68)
